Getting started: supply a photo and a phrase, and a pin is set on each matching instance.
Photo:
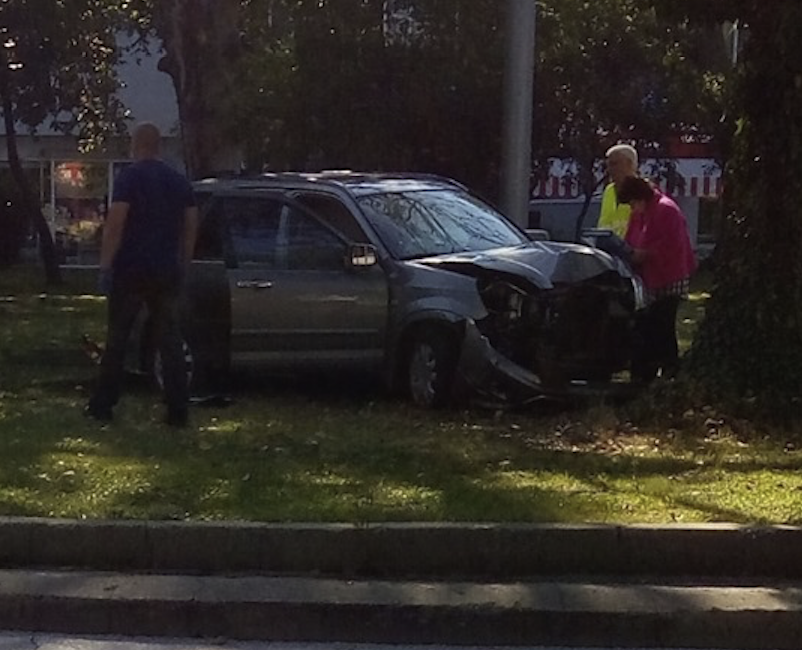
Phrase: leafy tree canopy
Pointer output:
(614, 70)
(58, 64)
(370, 84)
(326, 84)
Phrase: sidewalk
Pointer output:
(716, 586)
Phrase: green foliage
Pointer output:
(711, 12)
(58, 65)
(324, 86)
(56, 69)
(321, 84)
(613, 70)
(749, 349)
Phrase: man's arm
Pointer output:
(190, 234)
(608, 206)
(113, 233)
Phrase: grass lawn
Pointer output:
(339, 450)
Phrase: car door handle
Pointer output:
(254, 284)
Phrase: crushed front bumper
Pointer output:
(485, 373)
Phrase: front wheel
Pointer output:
(430, 369)
(189, 365)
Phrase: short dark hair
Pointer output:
(634, 189)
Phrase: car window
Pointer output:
(305, 243)
(435, 222)
(335, 214)
(253, 227)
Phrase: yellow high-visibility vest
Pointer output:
(614, 215)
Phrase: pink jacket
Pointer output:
(660, 230)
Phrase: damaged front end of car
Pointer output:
(557, 324)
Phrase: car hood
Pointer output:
(543, 263)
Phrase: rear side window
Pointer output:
(253, 226)
(268, 232)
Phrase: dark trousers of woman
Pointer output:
(656, 340)
(129, 295)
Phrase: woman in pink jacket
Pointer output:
(663, 257)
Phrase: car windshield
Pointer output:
(422, 223)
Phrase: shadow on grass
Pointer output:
(331, 448)
(314, 448)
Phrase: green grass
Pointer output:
(339, 450)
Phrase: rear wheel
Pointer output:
(431, 368)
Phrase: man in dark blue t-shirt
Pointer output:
(148, 242)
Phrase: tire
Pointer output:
(431, 365)
(189, 362)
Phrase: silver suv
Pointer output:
(408, 275)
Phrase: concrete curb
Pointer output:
(474, 584)
(498, 551)
(306, 609)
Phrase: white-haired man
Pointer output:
(622, 162)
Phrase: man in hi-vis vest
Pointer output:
(622, 162)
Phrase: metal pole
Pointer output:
(518, 100)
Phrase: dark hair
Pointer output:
(634, 189)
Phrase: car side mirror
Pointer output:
(362, 256)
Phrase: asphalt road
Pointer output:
(41, 641)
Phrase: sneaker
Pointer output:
(99, 414)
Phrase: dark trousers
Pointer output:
(656, 340)
(129, 295)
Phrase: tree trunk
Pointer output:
(31, 208)
(748, 350)
(201, 42)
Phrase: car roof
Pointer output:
(356, 183)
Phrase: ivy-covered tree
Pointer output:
(56, 69)
(748, 351)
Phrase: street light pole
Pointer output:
(518, 100)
